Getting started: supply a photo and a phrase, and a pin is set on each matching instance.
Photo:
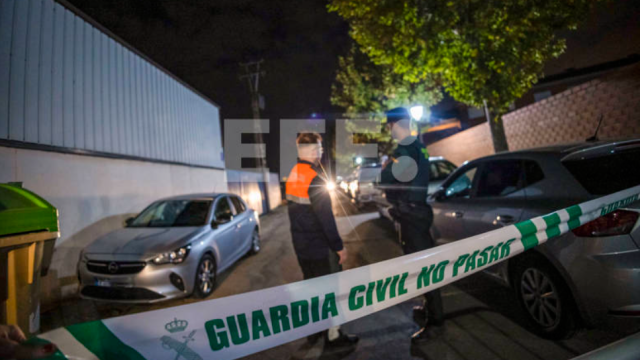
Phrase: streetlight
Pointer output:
(417, 112)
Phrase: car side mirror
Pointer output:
(222, 219)
(214, 224)
(129, 221)
(439, 195)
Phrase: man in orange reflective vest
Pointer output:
(315, 236)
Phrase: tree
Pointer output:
(486, 52)
(366, 90)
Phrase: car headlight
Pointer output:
(173, 257)
(353, 186)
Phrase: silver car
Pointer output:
(588, 275)
(173, 248)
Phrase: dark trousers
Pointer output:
(312, 268)
(415, 223)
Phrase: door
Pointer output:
(450, 205)
(226, 232)
(245, 230)
(498, 199)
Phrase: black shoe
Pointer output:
(342, 340)
(427, 333)
(419, 316)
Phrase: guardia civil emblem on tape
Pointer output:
(180, 347)
(243, 324)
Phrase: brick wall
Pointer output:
(570, 116)
(465, 145)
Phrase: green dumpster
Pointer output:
(28, 231)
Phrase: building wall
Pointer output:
(570, 116)
(251, 187)
(94, 196)
(65, 83)
(465, 145)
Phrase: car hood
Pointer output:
(143, 241)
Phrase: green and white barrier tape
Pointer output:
(240, 325)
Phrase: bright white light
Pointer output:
(255, 197)
(344, 186)
(353, 186)
(417, 112)
(358, 160)
(331, 185)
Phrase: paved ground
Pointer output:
(483, 321)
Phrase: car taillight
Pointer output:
(619, 222)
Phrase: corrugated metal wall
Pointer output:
(65, 83)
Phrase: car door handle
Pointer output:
(503, 219)
(457, 214)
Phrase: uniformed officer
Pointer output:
(405, 180)
(316, 240)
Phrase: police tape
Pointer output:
(243, 324)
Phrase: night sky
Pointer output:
(203, 41)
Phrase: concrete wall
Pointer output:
(570, 116)
(249, 185)
(94, 196)
(275, 191)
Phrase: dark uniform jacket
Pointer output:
(412, 192)
(313, 227)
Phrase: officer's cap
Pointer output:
(397, 114)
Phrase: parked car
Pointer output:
(363, 189)
(173, 248)
(583, 277)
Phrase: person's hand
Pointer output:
(343, 255)
(387, 162)
(11, 347)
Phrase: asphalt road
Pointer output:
(482, 318)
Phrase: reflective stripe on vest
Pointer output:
(297, 187)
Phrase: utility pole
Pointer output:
(252, 74)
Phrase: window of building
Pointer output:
(474, 112)
(539, 96)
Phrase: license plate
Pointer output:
(103, 282)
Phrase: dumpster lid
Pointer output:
(22, 211)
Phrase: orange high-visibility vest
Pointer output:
(297, 187)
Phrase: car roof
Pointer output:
(211, 196)
(562, 151)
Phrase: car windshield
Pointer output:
(607, 174)
(170, 213)
(439, 170)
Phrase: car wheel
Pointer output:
(205, 277)
(256, 244)
(545, 298)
